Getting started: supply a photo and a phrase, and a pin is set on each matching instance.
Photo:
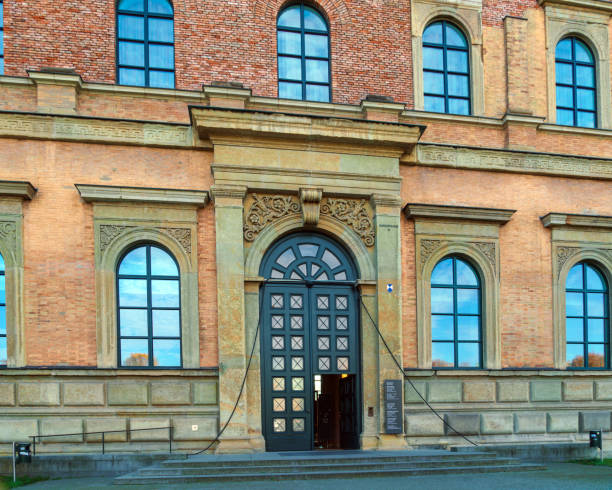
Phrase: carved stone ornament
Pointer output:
(181, 235)
(564, 253)
(311, 201)
(108, 233)
(8, 231)
(266, 209)
(427, 248)
(354, 214)
(488, 249)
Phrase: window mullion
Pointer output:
(149, 306)
(303, 53)
(455, 331)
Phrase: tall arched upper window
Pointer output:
(145, 43)
(456, 331)
(575, 80)
(3, 353)
(303, 54)
(587, 318)
(446, 69)
(149, 309)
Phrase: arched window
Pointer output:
(3, 353)
(587, 318)
(446, 69)
(149, 317)
(145, 43)
(303, 54)
(575, 78)
(455, 315)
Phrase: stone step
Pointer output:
(136, 479)
(311, 467)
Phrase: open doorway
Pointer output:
(335, 412)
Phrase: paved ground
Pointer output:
(558, 476)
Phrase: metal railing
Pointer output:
(126, 431)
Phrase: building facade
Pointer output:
(327, 195)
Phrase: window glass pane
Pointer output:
(433, 58)
(582, 52)
(597, 356)
(128, 76)
(317, 71)
(442, 327)
(565, 97)
(574, 278)
(167, 353)
(2, 266)
(574, 355)
(289, 68)
(565, 117)
(586, 119)
(131, 27)
(165, 293)
(166, 323)
(433, 82)
(288, 90)
(318, 93)
(131, 53)
(573, 304)
(433, 33)
(457, 61)
(574, 328)
(564, 73)
(3, 290)
(161, 30)
(3, 355)
(161, 56)
(596, 330)
(465, 274)
(134, 263)
(131, 5)
(290, 17)
(468, 355)
(441, 300)
(443, 272)
(564, 50)
(134, 352)
(2, 320)
(585, 76)
(434, 104)
(467, 301)
(467, 328)
(160, 7)
(442, 354)
(162, 264)
(594, 279)
(313, 20)
(458, 85)
(161, 79)
(458, 106)
(289, 43)
(454, 37)
(595, 304)
(133, 323)
(132, 292)
(315, 45)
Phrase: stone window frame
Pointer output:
(12, 195)
(576, 238)
(124, 217)
(472, 234)
(467, 16)
(592, 28)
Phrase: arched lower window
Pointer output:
(587, 318)
(303, 54)
(456, 331)
(145, 43)
(575, 82)
(446, 69)
(3, 353)
(149, 309)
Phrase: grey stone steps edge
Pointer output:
(157, 470)
(136, 480)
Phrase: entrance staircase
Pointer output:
(320, 465)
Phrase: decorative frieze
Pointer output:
(8, 231)
(353, 213)
(564, 253)
(108, 233)
(488, 249)
(265, 210)
(427, 248)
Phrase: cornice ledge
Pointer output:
(104, 193)
(583, 220)
(24, 190)
(230, 191)
(523, 119)
(416, 210)
(385, 200)
(601, 132)
(601, 5)
(213, 122)
(49, 78)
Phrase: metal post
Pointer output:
(33, 445)
(170, 438)
(601, 445)
(102, 442)
(14, 465)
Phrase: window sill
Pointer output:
(455, 118)
(505, 373)
(557, 128)
(108, 372)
